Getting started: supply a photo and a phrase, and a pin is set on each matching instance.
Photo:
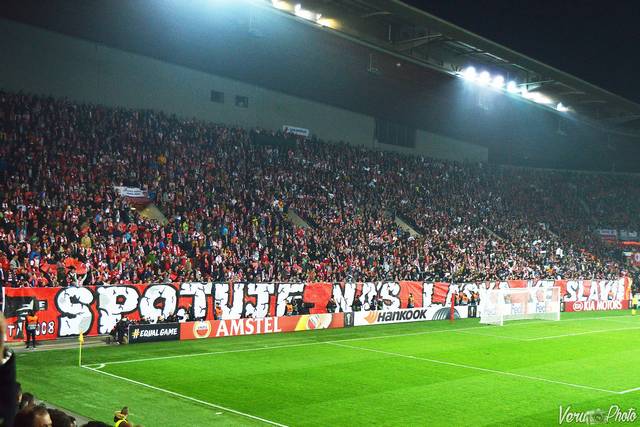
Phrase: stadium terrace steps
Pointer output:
(295, 219)
(406, 227)
(152, 212)
(492, 233)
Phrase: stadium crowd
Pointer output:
(227, 202)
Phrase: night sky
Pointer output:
(597, 41)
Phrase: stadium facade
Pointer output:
(379, 74)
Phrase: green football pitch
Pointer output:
(429, 373)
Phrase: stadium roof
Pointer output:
(413, 57)
(419, 36)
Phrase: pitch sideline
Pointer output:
(306, 343)
(185, 397)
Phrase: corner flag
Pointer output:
(81, 341)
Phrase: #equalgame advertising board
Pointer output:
(154, 332)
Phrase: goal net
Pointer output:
(500, 305)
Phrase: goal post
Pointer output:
(504, 304)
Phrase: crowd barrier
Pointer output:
(92, 310)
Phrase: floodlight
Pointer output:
(306, 14)
(560, 107)
(484, 78)
(329, 22)
(536, 97)
(469, 73)
(498, 82)
(541, 99)
(512, 87)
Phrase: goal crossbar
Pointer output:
(505, 304)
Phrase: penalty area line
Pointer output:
(477, 368)
(185, 397)
(576, 334)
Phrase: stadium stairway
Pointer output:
(492, 233)
(405, 227)
(151, 211)
(295, 219)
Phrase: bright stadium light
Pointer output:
(562, 108)
(536, 97)
(512, 87)
(306, 14)
(542, 99)
(282, 5)
(484, 78)
(329, 22)
(497, 82)
(469, 73)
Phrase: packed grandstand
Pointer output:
(227, 199)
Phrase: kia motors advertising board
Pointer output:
(594, 305)
(153, 333)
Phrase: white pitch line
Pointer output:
(306, 343)
(193, 399)
(208, 353)
(492, 335)
(580, 333)
(615, 319)
(273, 347)
(475, 368)
(300, 344)
(629, 390)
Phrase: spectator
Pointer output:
(8, 384)
(33, 416)
(27, 400)
(31, 327)
(410, 301)
(331, 305)
(60, 419)
(120, 418)
(289, 308)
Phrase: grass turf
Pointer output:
(429, 373)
